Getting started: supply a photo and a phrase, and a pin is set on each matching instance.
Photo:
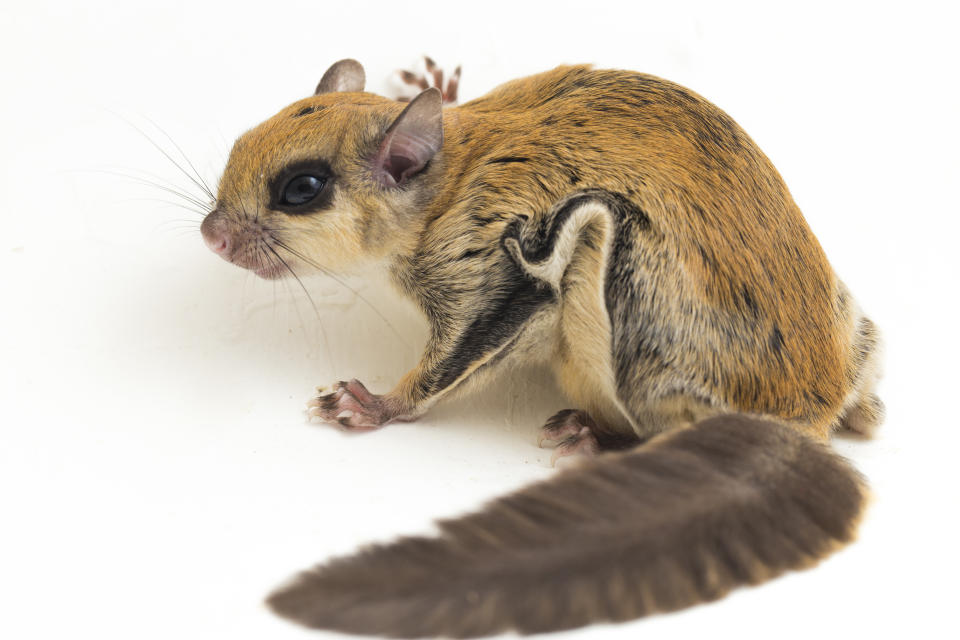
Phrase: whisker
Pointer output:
(193, 225)
(170, 203)
(323, 331)
(291, 296)
(334, 277)
(205, 187)
(203, 206)
(260, 245)
(202, 186)
(208, 203)
(182, 232)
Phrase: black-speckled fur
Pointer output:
(630, 233)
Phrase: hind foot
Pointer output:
(430, 76)
(865, 416)
(571, 432)
(574, 432)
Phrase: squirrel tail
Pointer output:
(684, 519)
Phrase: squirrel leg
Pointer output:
(453, 357)
(430, 76)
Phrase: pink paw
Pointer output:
(430, 76)
(352, 407)
(571, 433)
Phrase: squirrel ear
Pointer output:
(412, 140)
(346, 75)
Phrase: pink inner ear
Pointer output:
(400, 166)
(405, 154)
(413, 138)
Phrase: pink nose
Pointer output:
(217, 242)
(215, 235)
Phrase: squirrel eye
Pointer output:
(302, 189)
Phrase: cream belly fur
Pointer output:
(582, 345)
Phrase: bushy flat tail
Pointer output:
(684, 519)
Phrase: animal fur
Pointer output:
(631, 234)
(681, 520)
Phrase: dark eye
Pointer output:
(302, 189)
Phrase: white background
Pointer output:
(157, 475)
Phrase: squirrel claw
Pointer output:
(351, 406)
(430, 76)
(584, 444)
(570, 432)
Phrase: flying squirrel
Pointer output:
(627, 232)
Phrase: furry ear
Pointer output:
(412, 140)
(346, 75)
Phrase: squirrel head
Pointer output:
(330, 183)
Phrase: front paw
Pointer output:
(352, 407)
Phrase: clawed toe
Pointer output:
(570, 432)
(564, 425)
(351, 406)
(583, 444)
(430, 76)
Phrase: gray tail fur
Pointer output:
(684, 519)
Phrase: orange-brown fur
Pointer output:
(733, 240)
(643, 244)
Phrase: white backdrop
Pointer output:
(157, 476)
